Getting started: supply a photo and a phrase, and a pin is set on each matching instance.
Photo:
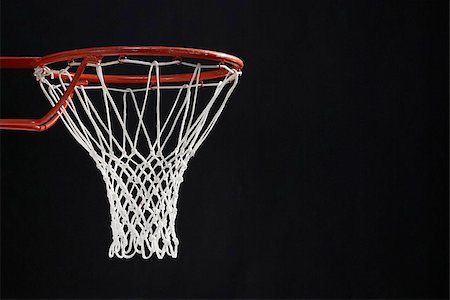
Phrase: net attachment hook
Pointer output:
(179, 60)
(121, 59)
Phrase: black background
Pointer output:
(326, 177)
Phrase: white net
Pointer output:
(141, 138)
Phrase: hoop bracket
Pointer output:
(49, 119)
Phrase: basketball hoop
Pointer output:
(141, 113)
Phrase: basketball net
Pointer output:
(141, 139)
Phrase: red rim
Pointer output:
(101, 52)
(180, 52)
(93, 55)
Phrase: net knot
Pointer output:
(42, 72)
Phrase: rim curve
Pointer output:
(180, 52)
(176, 52)
(93, 55)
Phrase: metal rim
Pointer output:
(177, 52)
(94, 55)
